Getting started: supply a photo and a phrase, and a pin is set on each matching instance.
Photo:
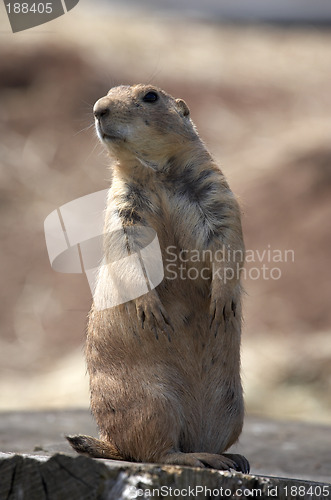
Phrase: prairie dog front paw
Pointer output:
(152, 315)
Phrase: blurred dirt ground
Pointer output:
(261, 100)
(273, 447)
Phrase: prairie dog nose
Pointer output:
(101, 108)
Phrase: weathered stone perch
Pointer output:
(45, 475)
(79, 478)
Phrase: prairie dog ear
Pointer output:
(183, 107)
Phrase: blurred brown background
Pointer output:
(260, 96)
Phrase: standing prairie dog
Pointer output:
(165, 368)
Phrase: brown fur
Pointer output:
(165, 368)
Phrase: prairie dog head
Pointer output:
(143, 121)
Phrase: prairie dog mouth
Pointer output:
(104, 136)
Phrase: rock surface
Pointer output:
(82, 478)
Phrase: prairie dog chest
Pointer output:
(178, 213)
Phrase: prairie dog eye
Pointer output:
(151, 96)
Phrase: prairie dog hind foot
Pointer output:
(226, 461)
(97, 448)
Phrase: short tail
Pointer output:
(93, 447)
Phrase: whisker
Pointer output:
(84, 129)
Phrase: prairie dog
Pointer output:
(164, 368)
